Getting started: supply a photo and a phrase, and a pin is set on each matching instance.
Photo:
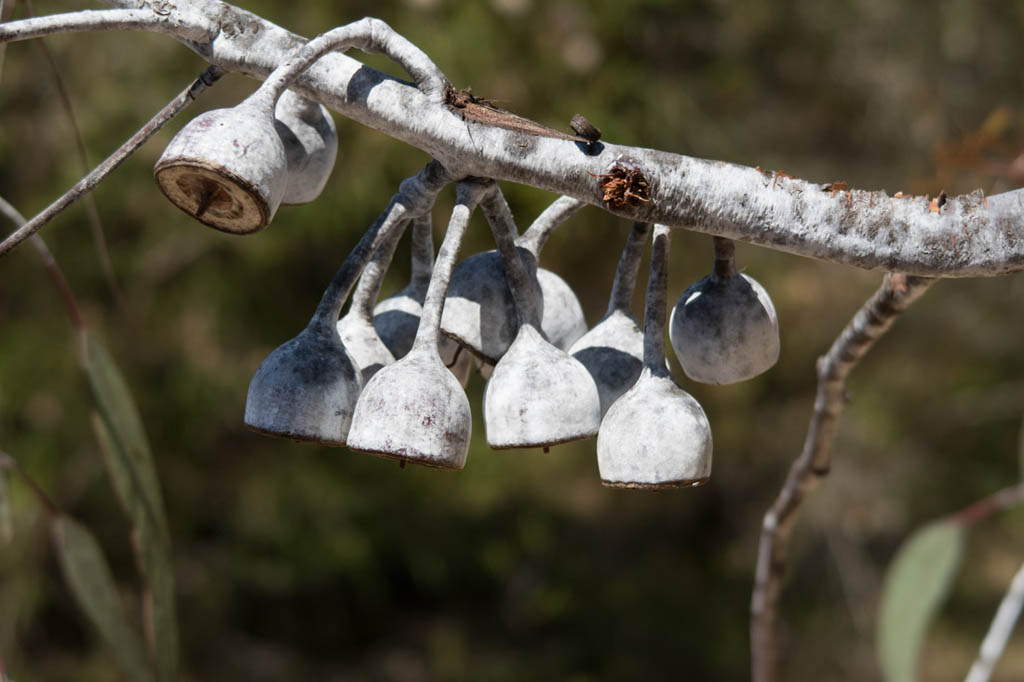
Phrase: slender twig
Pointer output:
(182, 24)
(872, 321)
(8, 463)
(91, 209)
(108, 165)
(999, 631)
(987, 506)
(53, 270)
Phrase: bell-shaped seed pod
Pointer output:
(537, 395)
(613, 351)
(311, 145)
(481, 313)
(723, 327)
(656, 435)
(307, 388)
(356, 328)
(562, 318)
(203, 173)
(415, 409)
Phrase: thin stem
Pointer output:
(994, 503)
(655, 303)
(468, 195)
(372, 278)
(525, 293)
(415, 196)
(422, 256)
(370, 35)
(873, 319)
(999, 631)
(53, 270)
(8, 463)
(91, 209)
(108, 165)
(725, 257)
(180, 24)
(625, 274)
(536, 236)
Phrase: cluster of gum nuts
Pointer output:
(388, 377)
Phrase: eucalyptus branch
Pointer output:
(967, 235)
(873, 319)
(111, 163)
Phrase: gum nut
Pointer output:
(538, 395)
(306, 389)
(655, 436)
(396, 319)
(613, 353)
(227, 168)
(414, 410)
(310, 143)
(363, 345)
(479, 311)
(562, 320)
(725, 330)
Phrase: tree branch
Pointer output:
(968, 235)
(874, 318)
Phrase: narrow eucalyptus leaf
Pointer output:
(153, 554)
(88, 575)
(916, 584)
(125, 428)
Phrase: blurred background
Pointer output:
(298, 562)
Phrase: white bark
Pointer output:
(967, 235)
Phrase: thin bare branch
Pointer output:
(999, 631)
(108, 165)
(183, 24)
(872, 321)
(92, 211)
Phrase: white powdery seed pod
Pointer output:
(723, 327)
(311, 145)
(363, 345)
(537, 394)
(613, 350)
(481, 313)
(415, 409)
(656, 435)
(306, 389)
(227, 168)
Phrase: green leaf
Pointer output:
(124, 425)
(6, 517)
(87, 574)
(152, 554)
(916, 584)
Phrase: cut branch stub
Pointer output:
(227, 168)
(723, 327)
(415, 409)
(656, 435)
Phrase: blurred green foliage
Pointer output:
(298, 562)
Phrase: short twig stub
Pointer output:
(624, 185)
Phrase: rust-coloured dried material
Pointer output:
(936, 204)
(833, 187)
(899, 195)
(624, 185)
(779, 174)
